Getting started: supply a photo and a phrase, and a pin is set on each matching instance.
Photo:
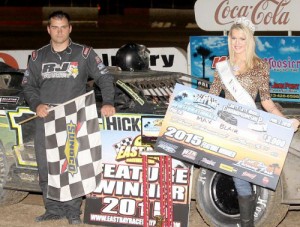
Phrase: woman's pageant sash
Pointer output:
(233, 86)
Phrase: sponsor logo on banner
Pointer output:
(71, 149)
(265, 180)
(128, 150)
(228, 168)
(281, 15)
(250, 175)
(208, 161)
(187, 153)
(258, 167)
(15, 58)
(170, 59)
(168, 147)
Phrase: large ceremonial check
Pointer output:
(225, 136)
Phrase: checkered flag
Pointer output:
(73, 148)
(125, 142)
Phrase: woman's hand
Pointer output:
(295, 124)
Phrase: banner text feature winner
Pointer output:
(118, 199)
(225, 136)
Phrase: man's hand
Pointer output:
(107, 110)
(42, 110)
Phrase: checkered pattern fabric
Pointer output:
(125, 142)
(73, 148)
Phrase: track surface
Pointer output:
(23, 214)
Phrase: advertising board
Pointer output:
(281, 52)
(266, 15)
(118, 199)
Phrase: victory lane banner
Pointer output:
(73, 148)
(118, 199)
(225, 136)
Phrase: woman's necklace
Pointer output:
(237, 67)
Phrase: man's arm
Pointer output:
(105, 81)
(106, 84)
(31, 87)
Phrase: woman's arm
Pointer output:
(264, 91)
(270, 107)
(216, 86)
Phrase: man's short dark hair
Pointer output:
(60, 15)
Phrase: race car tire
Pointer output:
(217, 203)
(7, 197)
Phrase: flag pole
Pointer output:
(28, 119)
(35, 116)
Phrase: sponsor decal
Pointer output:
(71, 148)
(9, 99)
(102, 68)
(265, 180)
(228, 168)
(258, 166)
(150, 128)
(188, 153)
(34, 55)
(168, 147)
(250, 175)
(86, 51)
(73, 69)
(208, 161)
(65, 70)
(132, 93)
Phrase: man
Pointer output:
(56, 73)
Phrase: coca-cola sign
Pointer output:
(266, 15)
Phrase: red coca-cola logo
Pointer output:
(265, 12)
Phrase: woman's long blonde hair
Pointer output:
(251, 56)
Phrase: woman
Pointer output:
(242, 78)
